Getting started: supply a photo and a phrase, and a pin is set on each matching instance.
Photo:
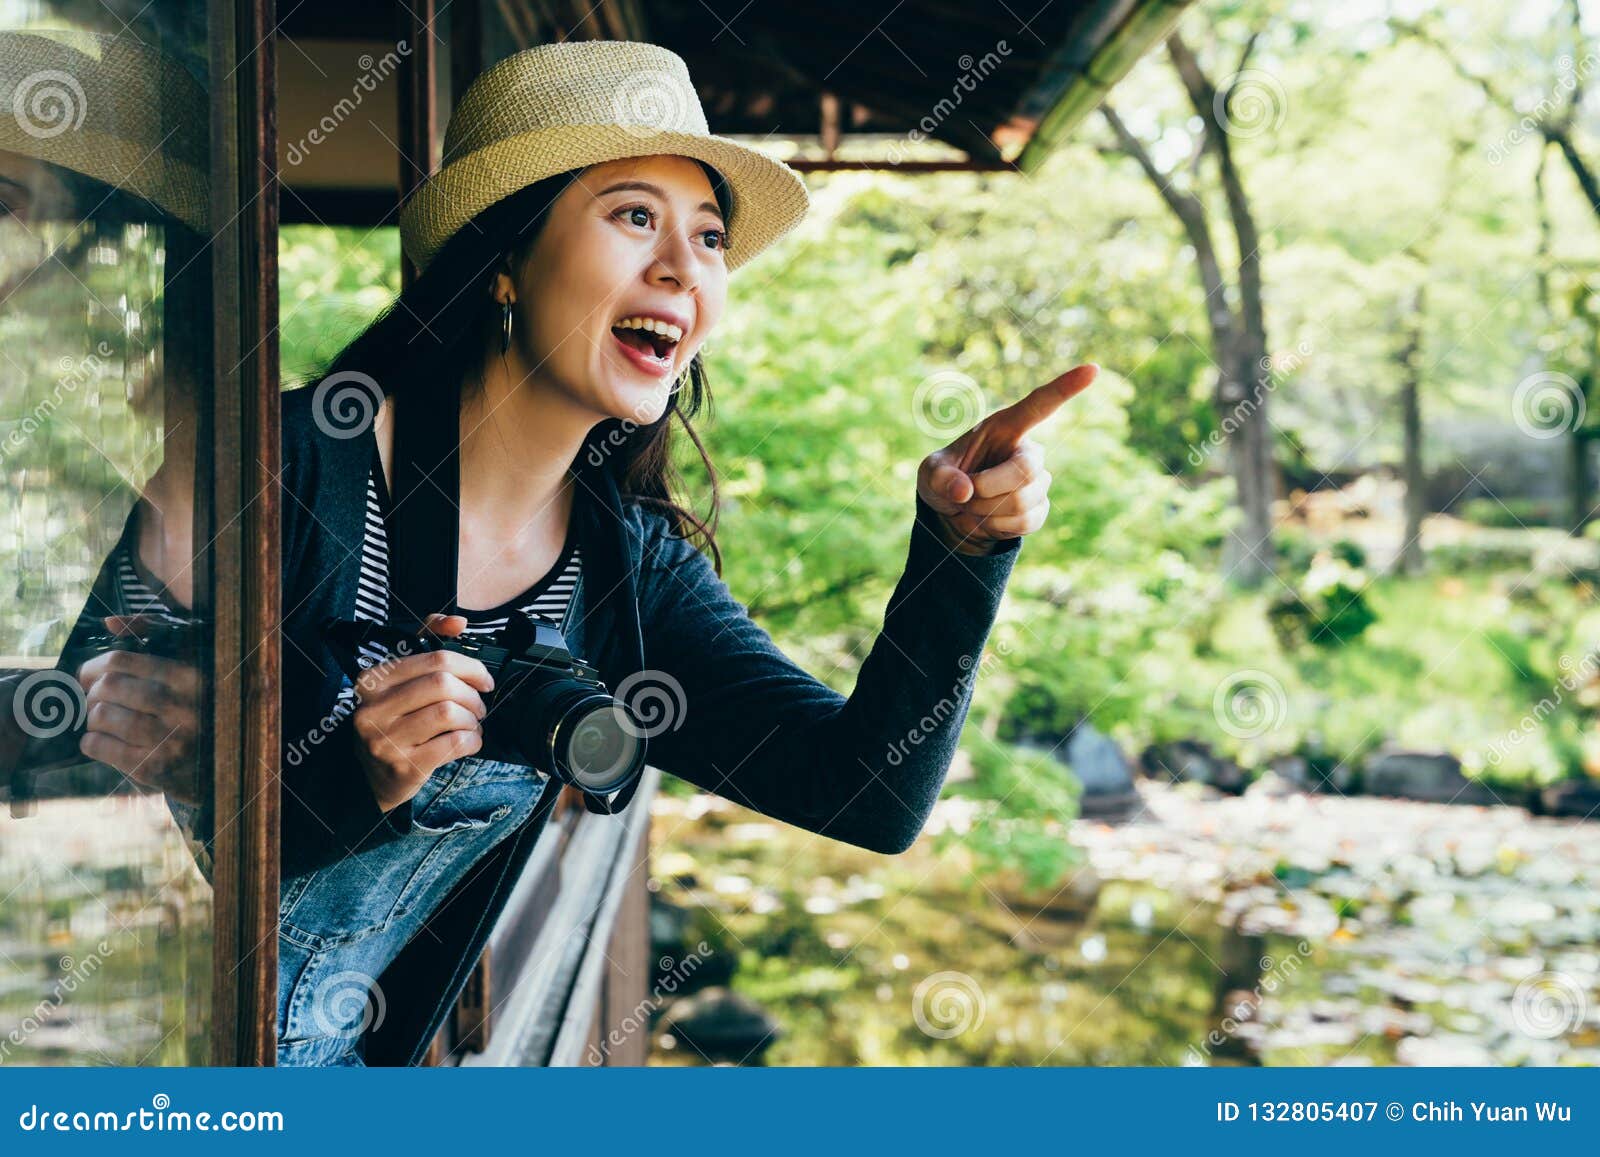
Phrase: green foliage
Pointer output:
(1511, 512)
(81, 425)
(1297, 549)
(1024, 800)
(1351, 554)
(334, 281)
(1327, 608)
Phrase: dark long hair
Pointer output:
(442, 322)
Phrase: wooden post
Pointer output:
(630, 972)
(418, 105)
(237, 515)
(830, 124)
(473, 1007)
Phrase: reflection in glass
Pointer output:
(105, 341)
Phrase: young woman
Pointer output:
(575, 257)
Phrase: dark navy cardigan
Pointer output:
(756, 728)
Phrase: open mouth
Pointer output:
(653, 340)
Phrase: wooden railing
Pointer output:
(568, 963)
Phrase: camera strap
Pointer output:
(425, 526)
(424, 512)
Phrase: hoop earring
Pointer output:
(505, 326)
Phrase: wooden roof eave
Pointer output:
(1083, 84)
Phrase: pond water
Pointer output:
(1263, 929)
(1279, 930)
(105, 936)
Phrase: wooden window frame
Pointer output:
(238, 515)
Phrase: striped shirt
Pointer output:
(136, 596)
(550, 596)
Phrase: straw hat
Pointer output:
(564, 106)
(112, 109)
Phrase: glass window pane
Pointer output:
(106, 933)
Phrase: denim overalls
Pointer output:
(340, 926)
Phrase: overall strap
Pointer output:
(425, 527)
(425, 510)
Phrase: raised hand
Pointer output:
(143, 715)
(990, 484)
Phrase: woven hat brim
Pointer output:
(768, 197)
(172, 186)
(120, 112)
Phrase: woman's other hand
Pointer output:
(143, 715)
(417, 713)
(990, 484)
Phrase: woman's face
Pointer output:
(635, 240)
(31, 194)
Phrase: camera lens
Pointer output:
(596, 746)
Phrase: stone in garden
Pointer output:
(680, 966)
(721, 1026)
(1104, 772)
(1293, 770)
(1191, 761)
(1275, 785)
(1072, 897)
(669, 926)
(1447, 1050)
(1573, 797)
(1098, 762)
(1433, 777)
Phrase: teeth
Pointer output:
(651, 325)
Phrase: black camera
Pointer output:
(164, 635)
(548, 706)
(48, 705)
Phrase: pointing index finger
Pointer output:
(998, 435)
(1020, 417)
